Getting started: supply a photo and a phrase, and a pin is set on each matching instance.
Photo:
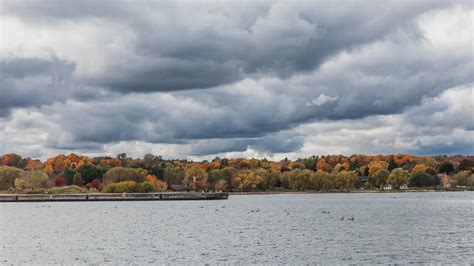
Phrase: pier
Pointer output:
(114, 197)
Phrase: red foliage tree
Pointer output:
(95, 184)
(60, 181)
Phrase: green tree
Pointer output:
(272, 178)
(379, 178)
(213, 176)
(69, 175)
(90, 172)
(446, 168)
(345, 180)
(77, 179)
(228, 175)
(8, 175)
(150, 160)
(319, 180)
(398, 177)
(173, 174)
(420, 179)
(310, 163)
(300, 179)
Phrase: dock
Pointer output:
(163, 196)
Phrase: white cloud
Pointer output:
(322, 99)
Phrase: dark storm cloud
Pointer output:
(26, 82)
(168, 75)
(284, 40)
(20, 68)
(182, 45)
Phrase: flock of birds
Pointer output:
(287, 212)
(342, 218)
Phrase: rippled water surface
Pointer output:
(387, 228)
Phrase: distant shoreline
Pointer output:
(243, 193)
(340, 192)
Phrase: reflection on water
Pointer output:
(389, 227)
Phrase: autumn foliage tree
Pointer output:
(419, 167)
(249, 180)
(118, 174)
(195, 178)
(322, 165)
(221, 185)
(158, 184)
(11, 159)
(376, 165)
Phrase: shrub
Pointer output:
(22, 184)
(60, 181)
(94, 184)
(120, 187)
(66, 190)
(145, 187)
(110, 188)
(129, 187)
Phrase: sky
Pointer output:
(263, 79)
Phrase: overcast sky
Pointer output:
(259, 79)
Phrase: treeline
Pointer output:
(75, 173)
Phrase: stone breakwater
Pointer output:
(114, 197)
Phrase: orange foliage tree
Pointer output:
(419, 167)
(322, 165)
(376, 165)
(160, 185)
